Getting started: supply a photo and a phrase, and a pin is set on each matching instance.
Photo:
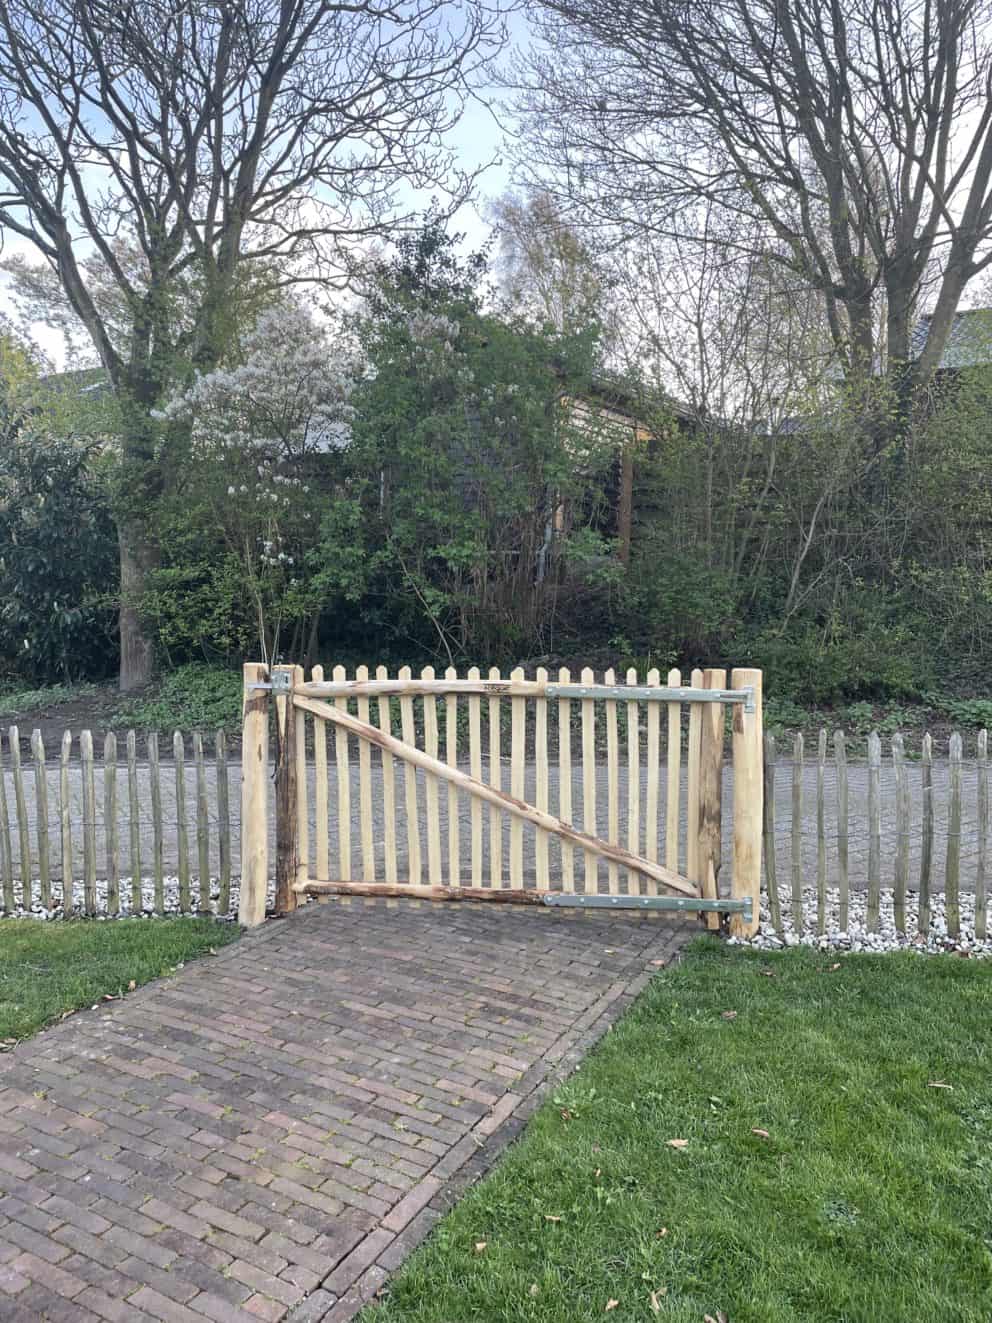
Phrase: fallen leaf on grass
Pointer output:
(109, 996)
(768, 973)
(728, 1015)
(132, 986)
(762, 1134)
(656, 1298)
(480, 1246)
(658, 964)
(833, 967)
(677, 1143)
(662, 1231)
(550, 1217)
(721, 1317)
(610, 1304)
(211, 951)
(939, 1084)
(535, 1289)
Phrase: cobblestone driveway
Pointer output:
(268, 1134)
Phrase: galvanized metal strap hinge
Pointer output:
(280, 682)
(680, 904)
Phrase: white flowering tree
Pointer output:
(267, 433)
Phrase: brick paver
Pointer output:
(269, 1133)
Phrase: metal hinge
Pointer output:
(280, 683)
(682, 904)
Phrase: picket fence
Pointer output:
(901, 843)
(59, 833)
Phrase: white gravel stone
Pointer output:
(857, 937)
(170, 889)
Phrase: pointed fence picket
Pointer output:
(71, 844)
(914, 833)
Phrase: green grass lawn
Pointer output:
(825, 1175)
(47, 969)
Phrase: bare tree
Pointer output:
(855, 134)
(206, 137)
(546, 269)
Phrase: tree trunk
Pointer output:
(139, 555)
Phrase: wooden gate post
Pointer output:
(748, 800)
(254, 798)
(287, 806)
(710, 794)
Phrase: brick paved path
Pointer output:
(268, 1134)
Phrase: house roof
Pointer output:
(969, 343)
(77, 381)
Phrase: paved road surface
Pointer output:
(858, 832)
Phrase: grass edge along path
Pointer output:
(48, 970)
(760, 1139)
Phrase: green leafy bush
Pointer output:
(58, 557)
(193, 697)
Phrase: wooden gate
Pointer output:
(409, 821)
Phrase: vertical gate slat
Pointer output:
(821, 833)
(388, 785)
(65, 820)
(653, 758)
(41, 818)
(901, 868)
(475, 767)
(182, 835)
(432, 815)
(843, 877)
(6, 853)
(110, 822)
(542, 871)
(223, 823)
(797, 832)
(591, 863)
(156, 792)
(321, 793)
(953, 867)
(692, 783)
(365, 788)
(612, 783)
(410, 781)
(874, 829)
(89, 822)
(673, 776)
(451, 757)
(20, 804)
(981, 873)
(495, 779)
(518, 727)
(202, 824)
(343, 772)
(565, 780)
(134, 822)
(768, 808)
(634, 882)
(926, 845)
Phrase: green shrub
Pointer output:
(58, 558)
(193, 697)
(974, 712)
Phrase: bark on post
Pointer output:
(710, 788)
(254, 799)
(287, 826)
